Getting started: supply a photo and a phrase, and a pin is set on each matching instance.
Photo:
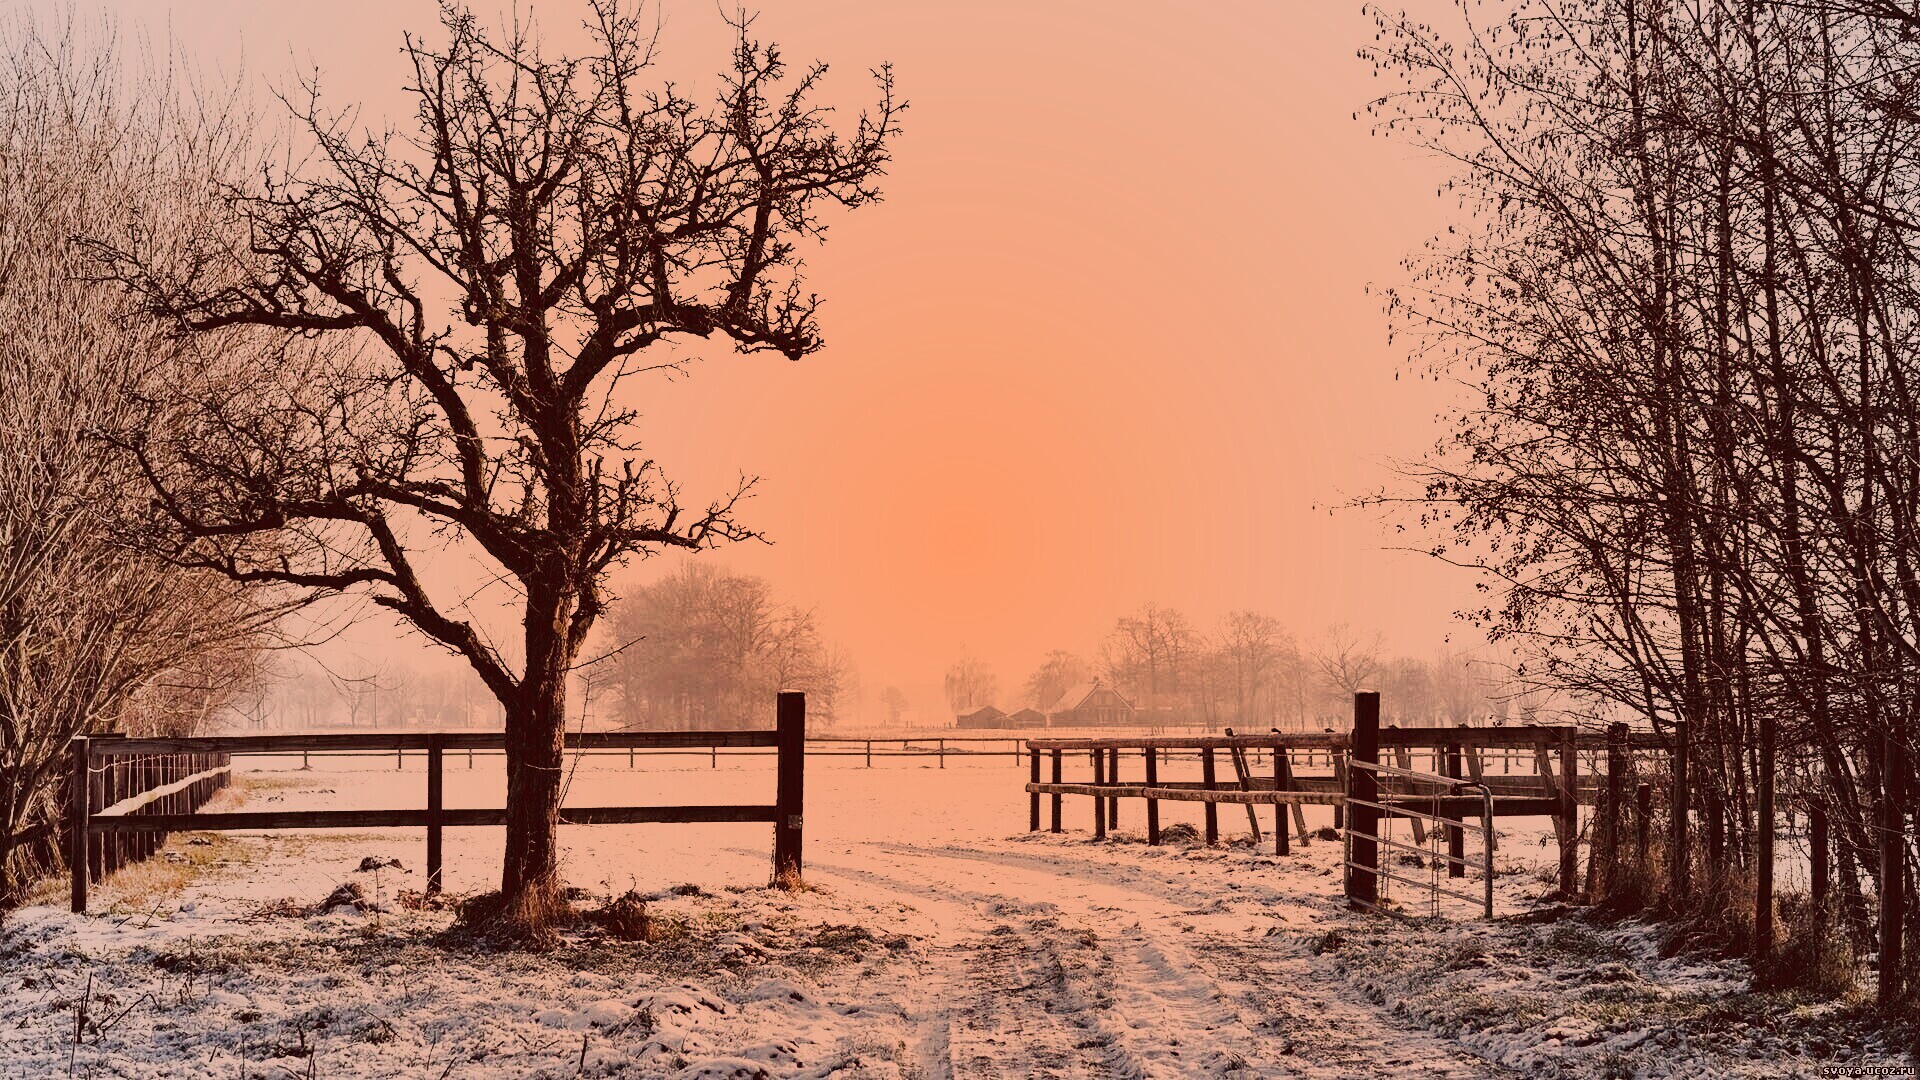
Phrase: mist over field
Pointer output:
(930, 542)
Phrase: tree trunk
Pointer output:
(530, 871)
(531, 896)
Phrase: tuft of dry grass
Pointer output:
(625, 917)
(149, 887)
(1813, 954)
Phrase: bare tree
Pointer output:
(1683, 292)
(1059, 672)
(95, 632)
(969, 682)
(1149, 654)
(894, 700)
(1461, 686)
(1347, 660)
(1253, 648)
(702, 647)
(579, 221)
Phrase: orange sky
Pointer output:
(1106, 341)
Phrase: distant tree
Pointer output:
(1407, 692)
(970, 683)
(702, 647)
(479, 292)
(360, 694)
(1460, 687)
(1148, 656)
(895, 702)
(1059, 672)
(1252, 649)
(1347, 661)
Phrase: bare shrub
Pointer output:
(98, 629)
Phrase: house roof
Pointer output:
(981, 710)
(1077, 696)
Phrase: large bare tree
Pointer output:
(483, 282)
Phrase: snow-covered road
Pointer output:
(1053, 960)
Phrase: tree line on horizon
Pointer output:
(1249, 671)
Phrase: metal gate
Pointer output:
(1432, 806)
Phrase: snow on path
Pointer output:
(1116, 972)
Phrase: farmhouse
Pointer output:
(1093, 704)
(984, 716)
(1027, 718)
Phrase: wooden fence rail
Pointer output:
(122, 820)
(119, 781)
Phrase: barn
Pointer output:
(1027, 718)
(1093, 704)
(984, 716)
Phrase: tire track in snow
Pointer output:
(1103, 979)
(993, 999)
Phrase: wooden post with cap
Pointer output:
(435, 758)
(791, 724)
(80, 806)
(1363, 821)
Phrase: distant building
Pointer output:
(985, 716)
(1093, 704)
(1027, 718)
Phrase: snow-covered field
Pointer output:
(938, 939)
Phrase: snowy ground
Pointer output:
(938, 940)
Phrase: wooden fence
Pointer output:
(1556, 789)
(133, 817)
(124, 778)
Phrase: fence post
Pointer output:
(1363, 853)
(1282, 781)
(1643, 824)
(1893, 889)
(96, 800)
(1763, 854)
(1338, 763)
(1679, 860)
(80, 806)
(1607, 828)
(110, 840)
(1456, 835)
(1569, 815)
(1212, 809)
(1033, 798)
(943, 753)
(791, 716)
(1153, 804)
(1817, 840)
(1056, 795)
(1099, 802)
(869, 753)
(433, 813)
(1113, 777)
